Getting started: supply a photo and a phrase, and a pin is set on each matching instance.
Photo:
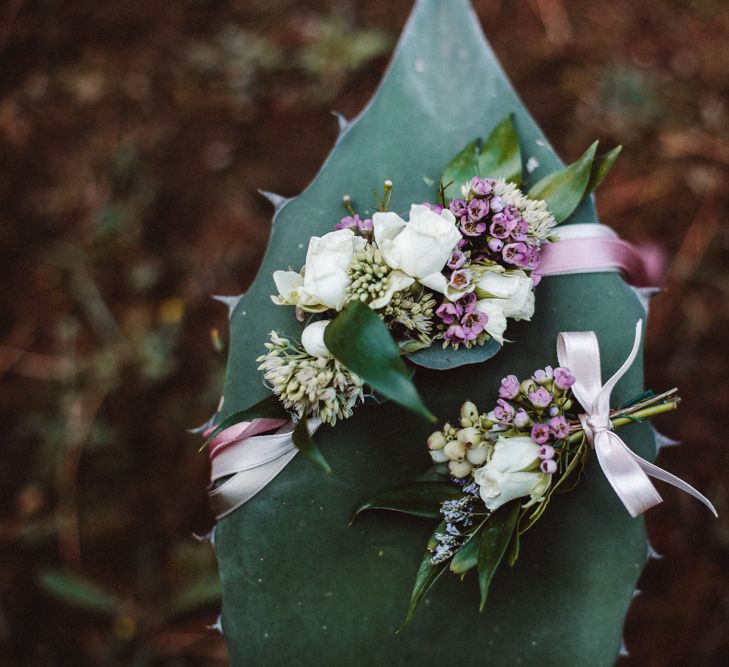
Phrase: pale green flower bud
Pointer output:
(529, 386)
(485, 423)
(436, 441)
(455, 450)
(460, 469)
(469, 436)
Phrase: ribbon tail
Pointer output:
(665, 476)
(242, 486)
(625, 474)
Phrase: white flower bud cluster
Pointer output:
(309, 386)
(463, 448)
(534, 211)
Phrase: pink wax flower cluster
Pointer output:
(464, 323)
(360, 227)
(537, 407)
(493, 228)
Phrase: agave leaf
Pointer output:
(306, 445)
(421, 499)
(360, 340)
(495, 538)
(500, 156)
(578, 566)
(460, 170)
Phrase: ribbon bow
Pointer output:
(626, 471)
(245, 457)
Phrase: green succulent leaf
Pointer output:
(419, 499)
(270, 408)
(306, 445)
(601, 167)
(360, 340)
(500, 156)
(439, 358)
(564, 189)
(577, 570)
(460, 170)
(494, 541)
(77, 591)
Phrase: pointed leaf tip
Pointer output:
(500, 155)
(360, 340)
(564, 189)
(422, 499)
(305, 444)
(342, 122)
(495, 539)
(277, 201)
(600, 168)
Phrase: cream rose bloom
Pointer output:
(511, 472)
(419, 248)
(325, 280)
(502, 295)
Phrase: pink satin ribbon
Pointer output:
(589, 248)
(246, 457)
(626, 471)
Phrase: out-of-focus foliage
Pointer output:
(133, 137)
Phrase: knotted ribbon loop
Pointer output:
(626, 471)
(249, 456)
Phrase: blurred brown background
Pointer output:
(133, 137)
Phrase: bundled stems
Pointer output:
(655, 405)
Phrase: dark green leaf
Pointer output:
(563, 190)
(460, 170)
(514, 547)
(600, 168)
(306, 445)
(466, 557)
(494, 541)
(500, 155)
(439, 358)
(419, 499)
(427, 575)
(79, 592)
(270, 407)
(360, 340)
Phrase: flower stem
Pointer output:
(629, 415)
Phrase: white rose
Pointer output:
(419, 248)
(509, 473)
(496, 325)
(325, 280)
(312, 339)
(511, 290)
